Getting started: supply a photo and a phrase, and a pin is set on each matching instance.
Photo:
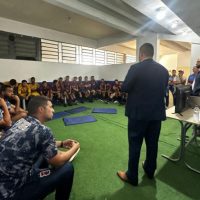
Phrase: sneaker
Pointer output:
(116, 101)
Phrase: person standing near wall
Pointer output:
(173, 81)
(196, 82)
(145, 110)
(192, 76)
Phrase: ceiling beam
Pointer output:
(173, 45)
(95, 14)
(119, 10)
(114, 39)
(191, 38)
(185, 45)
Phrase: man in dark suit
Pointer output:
(146, 84)
(196, 82)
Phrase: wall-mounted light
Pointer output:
(161, 13)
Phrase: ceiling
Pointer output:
(166, 46)
(188, 11)
(103, 20)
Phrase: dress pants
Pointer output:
(60, 179)
(137, 130)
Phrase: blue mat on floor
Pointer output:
(60, 114)
(78, 120)
(76, 110)
(104, 110)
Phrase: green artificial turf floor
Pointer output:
(104, 151)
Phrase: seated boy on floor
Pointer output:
(5, 119)
(16, 112)
(24, 93)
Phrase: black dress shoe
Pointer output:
(150, 176)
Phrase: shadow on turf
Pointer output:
(179, 177)
(145, 190)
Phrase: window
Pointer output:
(110, 57)
(4, 46)
(14, 46)
(26, 48)
(130, 58)
(69, 52)
(50, 50)
(119, 58)
(86, 55)
(99, 57)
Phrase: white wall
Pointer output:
(169, 61)
(112, 72)
(184, 59)
(48, 71)
(195, 54)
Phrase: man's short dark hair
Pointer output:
(147, 49)
(1, 86)
(198, 66)
(24, 81)
(4, 87)
(35, 103)
(12, 82)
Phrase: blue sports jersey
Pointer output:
(21, 146)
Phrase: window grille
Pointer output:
(50, 50)
(110, 57)
(130, 58)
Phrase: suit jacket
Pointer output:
(146, 84)
(196, 89)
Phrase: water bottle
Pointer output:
(196, 114)
(24, 104)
